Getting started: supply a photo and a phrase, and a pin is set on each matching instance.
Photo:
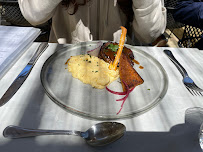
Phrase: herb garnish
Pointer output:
(114, 48)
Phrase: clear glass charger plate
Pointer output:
(83, 100)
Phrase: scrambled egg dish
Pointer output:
(92, 70)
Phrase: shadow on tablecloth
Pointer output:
(181, 138)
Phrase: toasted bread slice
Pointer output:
(128, 74)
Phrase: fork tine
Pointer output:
(199, 93)
(195, 92)
(193, 86)
(190, 91)
(197, 88)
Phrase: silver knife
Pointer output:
(23, 75)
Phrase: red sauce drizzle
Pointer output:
(141, 67)
(135, 61)
(67, 61)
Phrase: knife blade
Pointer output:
(23, 75)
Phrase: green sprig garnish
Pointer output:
(114, 48)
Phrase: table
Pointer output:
(162, 129)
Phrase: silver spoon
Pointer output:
(98, 135)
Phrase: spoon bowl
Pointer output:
(104, 133)
(98, 135)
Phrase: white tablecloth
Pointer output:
(165, 128)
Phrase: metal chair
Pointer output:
(170, 7)
(10, 11)
(191, 34)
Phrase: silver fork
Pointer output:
(188, 82)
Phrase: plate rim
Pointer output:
(114, 117)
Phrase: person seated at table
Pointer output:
(76, 21)
(190, 12)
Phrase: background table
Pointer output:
(162, 129)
